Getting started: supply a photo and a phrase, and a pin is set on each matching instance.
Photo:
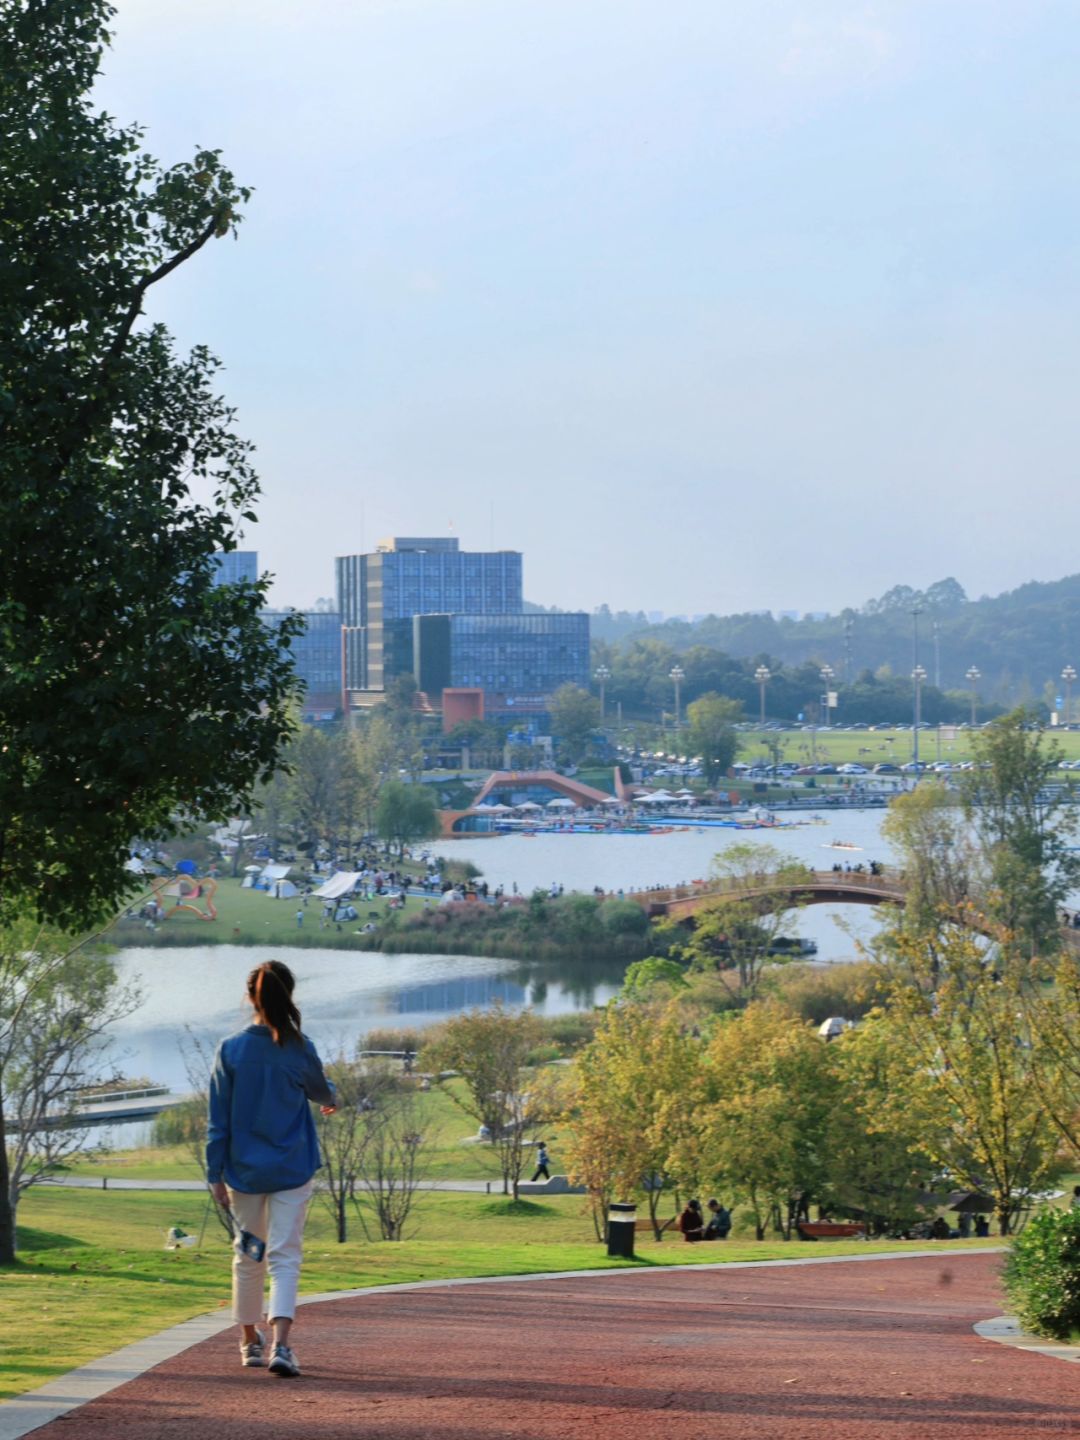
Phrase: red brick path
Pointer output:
(821, 1352)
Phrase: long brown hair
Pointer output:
(270, 988)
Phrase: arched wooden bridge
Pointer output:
(812, 887)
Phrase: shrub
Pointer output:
(624, 917)
(1042, 1274)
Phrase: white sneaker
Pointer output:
(283, 1362)
(251, 1352)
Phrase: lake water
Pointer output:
(344, 994)
(614, 861)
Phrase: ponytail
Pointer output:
(270, 988)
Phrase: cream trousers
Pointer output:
(277, 1218)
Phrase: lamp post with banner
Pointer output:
(918, 675)
(1068, 675)
(973, 676)
(677, 675)
(601, 675)
(828, 699)
(762, 675)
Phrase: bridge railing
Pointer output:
(769, 880)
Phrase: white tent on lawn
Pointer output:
(339, 885)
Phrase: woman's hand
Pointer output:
(220, 1192)
(327, 1109)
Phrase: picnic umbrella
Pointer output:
(528, 805)
(970, 1202)
(561, 803)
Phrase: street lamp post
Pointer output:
(677, 675)
(1068, 675)
(973, 676)
(827, 674)
(918, 675)
(601, 675)
(762, 675)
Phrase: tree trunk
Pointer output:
(7, 1209)
(342, 1221)
(1003, 1221)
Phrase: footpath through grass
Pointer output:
(93, 1273)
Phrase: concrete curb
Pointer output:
(1006, 1331)
(26, 1413)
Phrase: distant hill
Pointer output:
(1019, 640)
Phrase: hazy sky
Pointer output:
(702, 304)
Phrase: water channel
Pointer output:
(344, 994)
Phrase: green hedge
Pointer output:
(1042, 1274)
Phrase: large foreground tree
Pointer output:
(135, 692)
(133, 688)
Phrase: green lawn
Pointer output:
(867, 747)
(251, 917)
(452, 1158)
(93, 1274)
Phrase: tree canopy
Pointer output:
(135, 691)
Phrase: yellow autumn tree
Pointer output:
(632, 1097)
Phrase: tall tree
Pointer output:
(405, 814)
(489, 1050)
(711, 733)
(1025, 828)
(135, 692)
(763, 1117)
(973, 1084)
(631, 1106)
(55, 1012)
(575, 714)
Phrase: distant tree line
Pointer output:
(1019, 640)
(639, 680)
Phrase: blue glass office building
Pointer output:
(317, 658)
(518, 661)
(379, 594)
(236, 566)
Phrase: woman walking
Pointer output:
(262, 1154)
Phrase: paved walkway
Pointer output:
(820, 1351)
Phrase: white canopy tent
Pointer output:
(528, 805)
(561, 803)
(343, 883)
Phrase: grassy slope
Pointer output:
(93, 1274)
(251, 916)
(451, 1157)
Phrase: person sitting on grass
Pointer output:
(719, 1226)
(691, 1222)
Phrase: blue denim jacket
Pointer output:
(261, 1133)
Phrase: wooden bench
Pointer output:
(831, 1229)
(645, 1227)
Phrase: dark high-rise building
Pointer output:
(380, 593)
(518, 661)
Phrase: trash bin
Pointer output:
(620, 1230)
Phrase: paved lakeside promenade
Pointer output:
(819, 1350)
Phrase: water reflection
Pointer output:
(449, 997)
(342, 994)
